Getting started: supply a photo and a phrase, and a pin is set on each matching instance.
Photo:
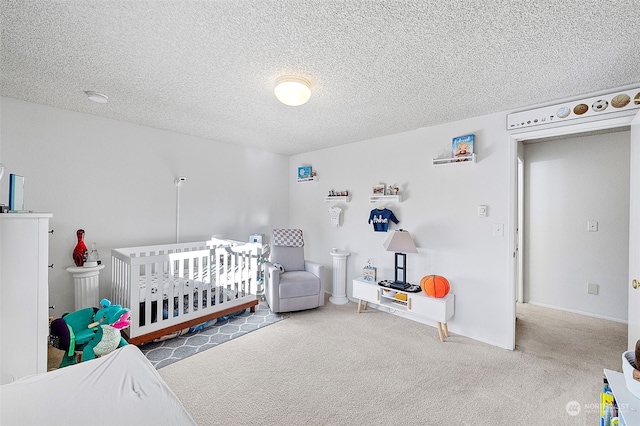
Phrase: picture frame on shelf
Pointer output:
(16, 192)
(462, 147)
(304, 172)
(379, 189)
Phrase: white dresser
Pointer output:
(24, 294)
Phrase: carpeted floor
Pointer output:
(332, 366)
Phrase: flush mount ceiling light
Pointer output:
(96, 97)
(292, 90)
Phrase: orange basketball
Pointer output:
(435, 285)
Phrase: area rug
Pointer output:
(172, 350)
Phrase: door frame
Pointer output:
(622, 119)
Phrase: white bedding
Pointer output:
(121, 388)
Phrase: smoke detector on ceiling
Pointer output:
(96, 97)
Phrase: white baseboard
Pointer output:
(574, 311)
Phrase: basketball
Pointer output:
(435, 285)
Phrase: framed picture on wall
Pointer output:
(16, 192)
(304, 172)
(462, 147)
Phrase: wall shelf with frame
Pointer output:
(454, 160)
(385, 199)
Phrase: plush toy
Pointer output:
(109, 320)
(93, 331)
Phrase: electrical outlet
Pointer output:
(592, 288)
(592, 226)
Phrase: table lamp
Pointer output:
(400, 242)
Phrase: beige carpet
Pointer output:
(331, 366)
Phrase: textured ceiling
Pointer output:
(378, 67)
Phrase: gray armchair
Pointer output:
(301, 285)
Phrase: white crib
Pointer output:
(176, 286)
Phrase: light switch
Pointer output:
(482, 211)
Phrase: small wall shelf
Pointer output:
(337, 198)
(309, 179)
(466, 159)
(385, 198)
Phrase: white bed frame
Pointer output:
(228, 269)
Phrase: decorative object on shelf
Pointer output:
(577, 110)
(306, 174)
(80, 250)
(337, 196)
(93, 258)
(380, 218)
(369, 272)
(393, 190)
(400, 242)
(16, 193)
(462, 147)
(435, 286)
(379, 189)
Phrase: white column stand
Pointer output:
(339, 294)
(87, 285)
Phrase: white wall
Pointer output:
(569, 182)
(116, 181)
(439, 208)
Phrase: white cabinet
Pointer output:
(439, 310)
(24, 294)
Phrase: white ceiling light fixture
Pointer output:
(292, 90)
(96, 97)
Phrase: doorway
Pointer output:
(565, 185)
(613, 124)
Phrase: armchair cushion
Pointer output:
(298, 284)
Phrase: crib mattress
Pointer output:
(171, 286)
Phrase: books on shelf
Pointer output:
(462, 147)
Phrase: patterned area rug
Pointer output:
(169, 351)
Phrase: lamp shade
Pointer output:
(292, 90)
(400, 241)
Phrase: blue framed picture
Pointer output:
(304, 172)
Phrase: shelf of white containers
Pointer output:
(466, 159)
